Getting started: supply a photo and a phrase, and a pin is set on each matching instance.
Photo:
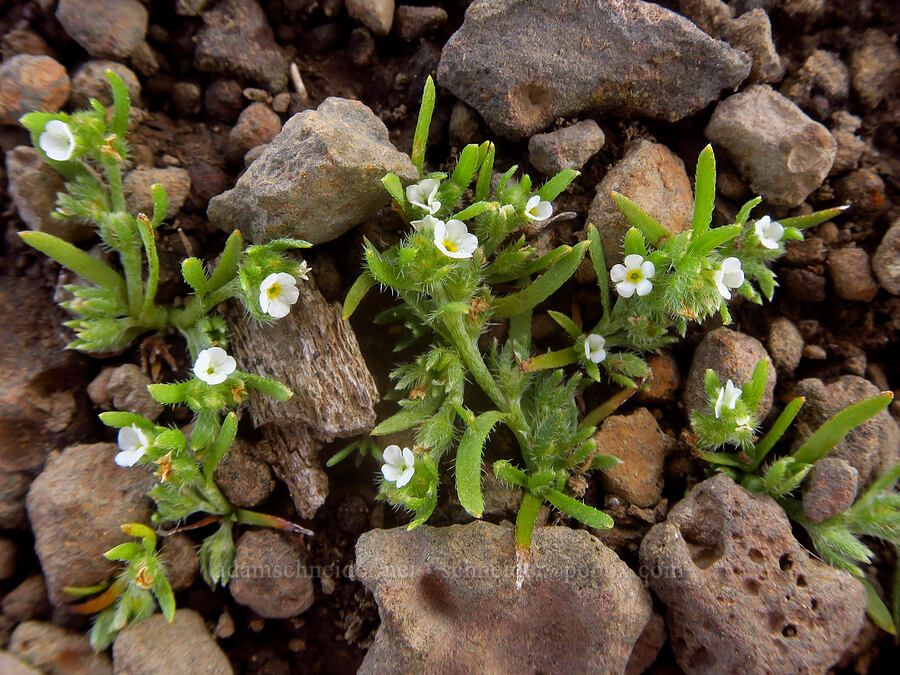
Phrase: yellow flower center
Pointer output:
(634, 276)
(273, 291)
(450, 246)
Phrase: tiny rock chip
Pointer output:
(829, 489)
(414, 22)
(567, 148)
(31, 83)
(52, 649)
(376, 15)
(886, 261)
(785, 344)
(875, 67)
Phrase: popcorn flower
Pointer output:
(214, 365)
(728, 275)
(454, 240)
(133, 443)
(633, 276)
(426, 224)
(303, 270)
(423, 193)
(277, 293)
(57, 141)
(399, 465)
(727, 398)
(769, 232)
(536, 209)
(594, 348)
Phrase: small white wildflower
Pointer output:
(303, 270)
(57, 141)
(454, 240)
(728, 275)
(426, 224)
(769, 232)
(595, 348)
(133, 443)
(399, 465)
(214, 365)
(633, 276)
(423, 193)
(727, 398)
(743, 423)
(277, 293)
(535, 209)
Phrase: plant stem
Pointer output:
(525, 518)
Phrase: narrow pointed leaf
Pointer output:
(485, 173)
(76, 260)
(468, 462)
(228, 263)
(831, 432)
(647, 224)
(812, 219)
(195, 276)
(423, 124)
(566, 324)
(777, 430)
(599, 262)
(704, 191)
(357, 292)
(579, 510)
(543, 287)
(556, 185)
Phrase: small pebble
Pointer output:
(362, 46)
(187, 98)
(815, 352)
(415, 22)
(281, 102)
(253, 94)
(31, 83)
(851, 274)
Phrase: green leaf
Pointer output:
(468, 461)
(76, 260)
(566, 324)
(704, 191)
(476, 209)
(164, 596)
(485, 173)
(423, 124)
(831, 432)
(605, 462)
(777, 431)
(634, 242)
(550, 360)
(754, 388)
(228, 263)
(121, 105)
(812, 219)
(357, 292)
(579, 511)
(125, 552)
(649, 227)
(720, 459)
(452, 189)
(160, 204)
(195, 276)
(877, 610)
(206, 426)
(268, 386)
(118, 419)
(599, 262)
(505, 471)
(714, 238)
(169, 394)
(384, 272)
(744, 213)
(394, 187)
(556, 185)
(219, 448)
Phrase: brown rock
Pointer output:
(224, 100)
(8, 554)
(31, 83)
(52, 649)
(244, 480)
(12, 665)
(13, 488)
(863, 189)
(27, 601)
(187, 98)
(805, 286)
(179, 554)
(851, 274)
(257, 125)
(567, 148)
(90, 81)
(648, 645)
(124, 388)
(874, 67)
(414, 22)
(663, 382)
(785, 345)
(137, 185)
(107, 29)
(829, 489)
(886, 261)
(376, 15)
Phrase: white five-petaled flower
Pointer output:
(727, 398)
(57, 141)
(595, 348)
(769, 232)
(214, 365)
(743, 423)
(453, 239)
(303, 270)
(426, 224)
(423, 194)
(133, 443)
(399, 465)
(633, 276)
(535, 209)
(277, 293)
(728, 275)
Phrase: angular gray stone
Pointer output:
(448, 601)
(567, 148)
(414, 22)
(742, 595)
(90, 81)
(51, 649)
(376, 15)
(317, 179)
(778, 149)
(125, 388)
(621, 57)
(137, 185)
(829, 489)
(107, 29)
(31, 83)
(886, 261)
(875, 67)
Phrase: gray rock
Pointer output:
(742, 595)
(414, 22)
(76, 519)
(270, 575)
(27, 601)
(125, 388)
(863, 189)
(137, 185)
(376, 15)
(886, 261)
(52, 649)
(875, 67)
(187, 97)
(256, 125)
(317, 179)
(829, 489)
(107, 29)
(828, 74)
(31, 83)
(622, 57)
(13, 488)
(850, 149)
(243, 479)
(779, 150)
(648, 645)
(733, 356)
(652, 176)
(237, 39)
(183, 647)
(224, 100)
(851, 274)
(872, 448)
(465, 125)
(567, 148)
(440, 592)
(190, 7)
(12, 665)
(785, 345)
(179, 554)
(89, 81)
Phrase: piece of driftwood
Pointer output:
(293, 454)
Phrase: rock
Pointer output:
(567, 148)
(52, 649)
(785, 344)
(253, 154)
(190, 7)
(27, 601)
(244, 480)
(183, 647)
(13, 488)
(8, 554)
(280, 103)
(742, 595)
(863, 189)
(107, 29)
(11, 665)
(829, 489)
(805, 286)
(827, 74)
(270, 575)
(361, 46)
(872, 448)
(624, 58)
(89, 81)
(257, 125)
(76, 519)
(224, 100)
(414, 22)
(23, 40)
(137, 185)
(850, 149)
(338, 152)
(124, 388)
(851, 274)
(874, 68)
(781, 152)
(648, 645)
(33, 185)
(652, 176)
(637, 441)
(440, 592)
(180, 556)
(663, 382)
(31, 83)
(733, 356)
(187, 97)
(376, 15)
(236, 39)
(886, 261)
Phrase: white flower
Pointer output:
(427, 224)
(769, 232)
(399, 465)
(213, 365)
(454, 240)
(134, 443)
(277, 293)
(423, 193)
(743, 423)
(728, 396)
(57, 141)
(728, 275)
(303, 270)
(633, 276)
(536, 209)
(594, 347)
